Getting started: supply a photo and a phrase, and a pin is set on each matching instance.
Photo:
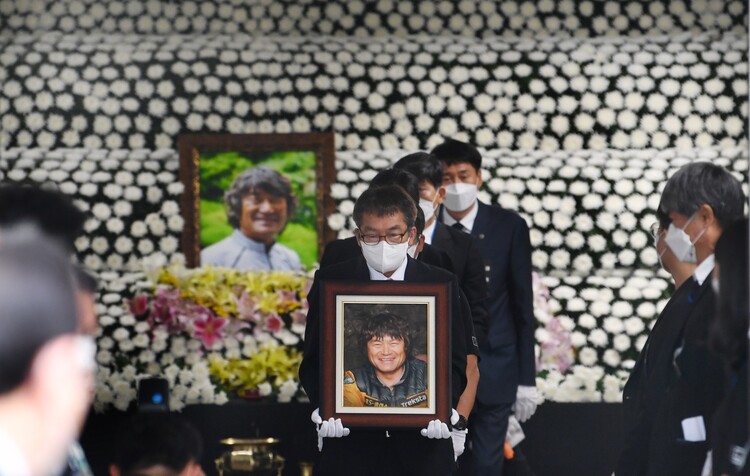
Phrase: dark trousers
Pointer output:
(488, 427)
(372, 453)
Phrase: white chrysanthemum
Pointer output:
(560, 259)
(588, 356)
(634, 326)
(611, 357)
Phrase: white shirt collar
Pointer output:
(12, 460)
(703, 269)
(467, 221)
(429, 231)
(249, 243)
(397, 275)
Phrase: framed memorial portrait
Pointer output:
(385, 353)
(256, 188)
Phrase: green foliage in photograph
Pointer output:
(218, 171)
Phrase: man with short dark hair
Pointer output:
(46, 368)
(506, 359)
(465, 258)
(385, 223)
(156, 444)
(259, 205)
(698, 202)
(393, 377)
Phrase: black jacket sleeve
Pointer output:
(309, 369)
(522, 297)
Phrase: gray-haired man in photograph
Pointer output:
(259, 204)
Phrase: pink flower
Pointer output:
(246, 307)
(208, 328)
(273, 323)
(138, 305)
(166, 309)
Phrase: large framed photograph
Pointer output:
(256, 201)
(385, 353)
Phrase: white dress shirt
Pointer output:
(397, 275)
(429, 231)
(239, 252)
(12, 461)
(704, 269)
(467, 221)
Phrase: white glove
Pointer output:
(515, 433)
(527, 398)
(331, 428)
(436, 429)
(459, 442)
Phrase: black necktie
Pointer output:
(458, 226)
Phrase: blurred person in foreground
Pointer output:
(62, 221)
(46, 367)
(158, 444)
(728, 338)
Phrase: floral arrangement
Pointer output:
(211, 332)
(554, 346)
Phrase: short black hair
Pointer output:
(702, 183)
(37, 300)
(150, 439)
(425, 166)
(383, 201)
(728, 332)
(52, 212)
(260, 178)
(453, 151)
(387, 324)
(400, 177)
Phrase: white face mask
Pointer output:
(460, 196)
(681, 244)
(428, 208)
(385, 257)
(86, 353)
(412, 251)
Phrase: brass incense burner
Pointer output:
(250, 457)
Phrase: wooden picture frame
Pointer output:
(348, 313)
(249, 150)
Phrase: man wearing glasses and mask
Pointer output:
(677, 383)
(385, 219)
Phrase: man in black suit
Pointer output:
(650, 375)
(463, 252)
(698, 202)
(385, 225)
(506, 360)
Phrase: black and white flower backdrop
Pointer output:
(583, 110)
(365, 18)
(140, 91)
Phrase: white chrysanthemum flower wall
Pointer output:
(133, 91)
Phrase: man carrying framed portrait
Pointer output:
(385, 219)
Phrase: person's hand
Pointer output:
(527, 399)
(459, 441)
(331, 428)
(437, 430)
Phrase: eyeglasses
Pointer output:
(390, 238)
(656, 230)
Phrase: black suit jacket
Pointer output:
(469, 269)
(507, 359)
(652, 375)
(697, 388)
(356, 270)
